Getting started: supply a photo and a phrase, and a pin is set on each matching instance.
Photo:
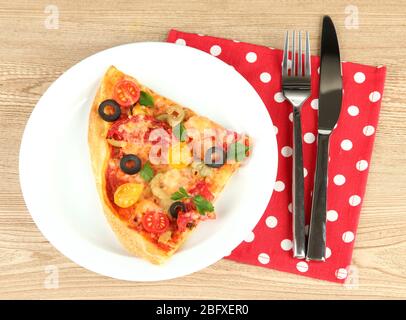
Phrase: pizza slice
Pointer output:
(158, 166)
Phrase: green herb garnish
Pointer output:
(202, 204)
(180, 194)
(146, 99)
(237, 151)
(147, 173)
(180, 132)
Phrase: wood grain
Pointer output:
(32, 57)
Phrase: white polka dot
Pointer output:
(315, 104)
(250, 237)
(341, 273)
(362, 165)
(180, 41)
(328, 252)
(307, 229)
(354, 200)
(339, 180)
(271, 222)
(275, 128)
(353, 111)
(332, 215)
(348, 236)
(236, 41)
(286, 244)
(279, 186)
(346, 145)
(279, 97)
(265, 77)
(200, 34)
(263, 258)
(251, 57)
(215, 50)
(291, 117)
(290, 207)
(309, 137)
(302, 266)
(305, 172)
(374, 96)
(368, 130)
(318, 70)
(359, 77)
(286, 151)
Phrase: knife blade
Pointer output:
(331, 84)
(330, 99)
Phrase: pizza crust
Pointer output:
(134, 242)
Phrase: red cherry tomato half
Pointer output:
(126, 93)
(155, 222)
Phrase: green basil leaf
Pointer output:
(237, 151)
(146, 99)
(180, 194)
(202, 204)
(147, 173)
(179, 132)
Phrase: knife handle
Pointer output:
(316, 249)
(299, 237)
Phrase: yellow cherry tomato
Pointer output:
(138, 109)
(127, 194)
(179, 156)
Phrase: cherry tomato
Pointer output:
(127, 194)
(155, 222)
(126, 93)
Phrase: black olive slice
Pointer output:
(112, 104)
(130, 164)
(215, 157)
(176, 207)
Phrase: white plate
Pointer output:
(55, 171)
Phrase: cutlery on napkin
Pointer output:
(270, 243)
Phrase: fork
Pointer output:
(296, 89)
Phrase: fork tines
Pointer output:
(296, 70)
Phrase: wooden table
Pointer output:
(32, 56)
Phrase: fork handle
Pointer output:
(317, 232)
(299, 238)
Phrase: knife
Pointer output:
(330, 98)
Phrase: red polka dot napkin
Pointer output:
(270, 243)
